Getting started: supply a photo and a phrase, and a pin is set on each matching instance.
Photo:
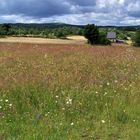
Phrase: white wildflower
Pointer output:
(10, 105)
(108, 83)
(63, 108)
(103, 121)
(72, 124)
(105, 93)
(68, 101)
(57, 96)
(6, 100)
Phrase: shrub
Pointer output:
(136, 39)
(103, 40)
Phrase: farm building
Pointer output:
(112, 36)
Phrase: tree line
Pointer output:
(37, 31)
(94, 34)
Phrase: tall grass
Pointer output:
(69, 93)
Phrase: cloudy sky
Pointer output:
(100, 12)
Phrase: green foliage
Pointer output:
(39, 31)
(137, 39)
(94, 36)
(103, 40)
(61, 31)
(5, 29)
(122, 35)
(131, 34)
(60, 34)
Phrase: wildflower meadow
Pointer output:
(69, 92)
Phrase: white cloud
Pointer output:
(134, 6)
(101, 12)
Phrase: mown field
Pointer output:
(33, 40)
(69, 92)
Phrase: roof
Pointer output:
(111, 35)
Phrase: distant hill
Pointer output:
(45, 25)
(59, 25)
(127, 28)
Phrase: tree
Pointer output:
(60, 34)
(94, 36)
(103, 39)
(6, 29)
(137, 39)
(91, 32)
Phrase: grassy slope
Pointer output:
(66, 92)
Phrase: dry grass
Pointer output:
(70, 40)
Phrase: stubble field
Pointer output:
(69, 92)
(69, 40)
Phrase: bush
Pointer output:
(122, 36)
(137, 39)
(103, 40)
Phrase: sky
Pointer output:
(80, 12)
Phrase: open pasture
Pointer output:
(69, 92)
